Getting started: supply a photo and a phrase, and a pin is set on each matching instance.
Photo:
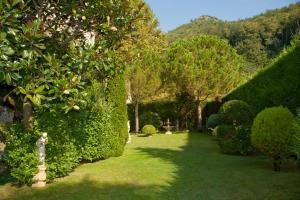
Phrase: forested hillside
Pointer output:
(258, 39)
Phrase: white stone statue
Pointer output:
(40, 178)
(41, 142)
(129, 136)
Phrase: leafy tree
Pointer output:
(52, 49)
(141, 54)
(144, 77)
(205, 67)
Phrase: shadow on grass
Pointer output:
(202, 173)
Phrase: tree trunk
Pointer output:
(199, 117)
(137, 123)
(27, 115)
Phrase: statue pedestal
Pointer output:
(168, 133)
(40, 177)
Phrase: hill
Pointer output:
(258, 39)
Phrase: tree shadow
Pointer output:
(205, 173)
(202, 172)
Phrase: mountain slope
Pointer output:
(258, 39)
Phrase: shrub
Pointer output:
(236, 112)
(238, 116)
(148, 130)
(116, 97)
(272, 133)
(150, 118)
(21, 153)
(296, 137)
(213, 120)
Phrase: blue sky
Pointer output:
(173, 13)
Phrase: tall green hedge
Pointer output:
(116, 97)
(277, 85)
(97, 131)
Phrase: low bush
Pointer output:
(148, 130)
(238, 116)
(272, 133)
(150, 118)
(21, 153)
(213, 120)
(236, 112)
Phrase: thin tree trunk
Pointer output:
(199, 117)
(27, 115)
(137, 123)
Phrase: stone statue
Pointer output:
(40, 177)
(41, 142)
(129, 136)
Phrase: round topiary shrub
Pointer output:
(238, 116)
(272, 133)
(148, 130)
(213, 120)
(236, 112)
(150, 118)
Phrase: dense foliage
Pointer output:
(236, 112)
(22, 155)
(296, 138)
(237, 117)
(276, 85)
(204, 67)
(150, 118)
(116, 97)
(272, 133)
(148, 130)
(258, 38)
(53, 54)
(213, 121)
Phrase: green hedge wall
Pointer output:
(97, 131)
(117, 97)
(277, 85)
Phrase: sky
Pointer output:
(173, 13)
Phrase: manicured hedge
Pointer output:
(96, 131)
(117, 97)
(272, 133)
(277, 85)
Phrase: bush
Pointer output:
(296, 138)
(272, 133)
(150, 118)
(148, 130)
(238, 116)
(277, 84)
(236, 112)
(117, 97)
(85, 135)
(21, 153)
(213, 120)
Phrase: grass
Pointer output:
(178, 166)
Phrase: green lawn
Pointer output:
(178, 166)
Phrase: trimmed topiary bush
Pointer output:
(213, 120)
(236, 112)
(272, 133)
(150, 118)
(237, 117)
(116, 97)
(148, 130)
